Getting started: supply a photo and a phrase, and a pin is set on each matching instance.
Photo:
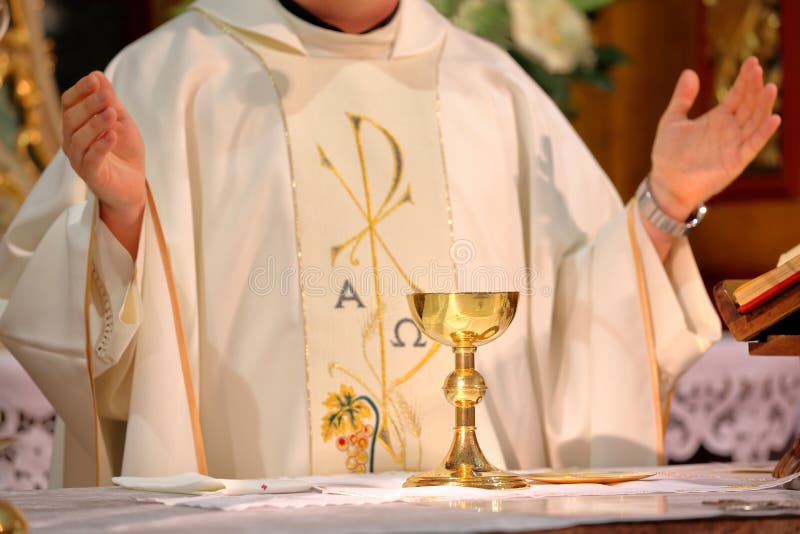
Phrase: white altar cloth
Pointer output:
(387, 488)
(734, 405)
(106, 509)
(27, 418)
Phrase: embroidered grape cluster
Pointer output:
(355, 445)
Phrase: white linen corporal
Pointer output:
(569, 381)
(387, 487)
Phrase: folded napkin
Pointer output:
(197, 484)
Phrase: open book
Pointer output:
(761, 289)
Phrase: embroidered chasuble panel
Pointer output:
(372, 223)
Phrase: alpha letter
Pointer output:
(348, 293)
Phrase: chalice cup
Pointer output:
(464, 321)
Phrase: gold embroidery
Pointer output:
(345, 414)
(344, 420)
(391, 403)
(371, 227)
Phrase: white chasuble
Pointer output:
(335, 377)
(372, 222)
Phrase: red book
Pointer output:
(760, 290)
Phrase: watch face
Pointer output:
(698, 215)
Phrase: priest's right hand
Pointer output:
(106, 149)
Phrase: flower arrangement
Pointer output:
(550, 39)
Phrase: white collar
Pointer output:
(420, 26)
(376, 44)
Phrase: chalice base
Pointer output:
(491, 480)
(466, 466)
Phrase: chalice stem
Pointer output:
(465, 455)
(465, 366)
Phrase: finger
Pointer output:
(752, 92)
(763, 109)
(753, 145)
(79, 114)
(736, 94)
(114, 101)
(97, 152)
(685, 94)
(90, 131)
(84, 87)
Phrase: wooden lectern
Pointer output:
(773, 329)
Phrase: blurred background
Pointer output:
(610, 65)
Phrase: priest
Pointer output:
(212, 275)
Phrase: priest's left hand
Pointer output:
(694, 159)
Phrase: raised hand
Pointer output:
(694, 159)
(106, 150)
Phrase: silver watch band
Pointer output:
(650, 210)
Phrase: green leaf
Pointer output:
(489, 19)
(608, 56)
(591, 5)
(598, 79)
(447, 8)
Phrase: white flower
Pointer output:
(553, 33)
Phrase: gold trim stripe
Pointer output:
(444, 162)
(667, 407)
(197, 433)
(88, 346)
(649, 334)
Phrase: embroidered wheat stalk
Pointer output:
(411, 418)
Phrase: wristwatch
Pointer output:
(650, 210)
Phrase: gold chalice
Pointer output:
(463, 321)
